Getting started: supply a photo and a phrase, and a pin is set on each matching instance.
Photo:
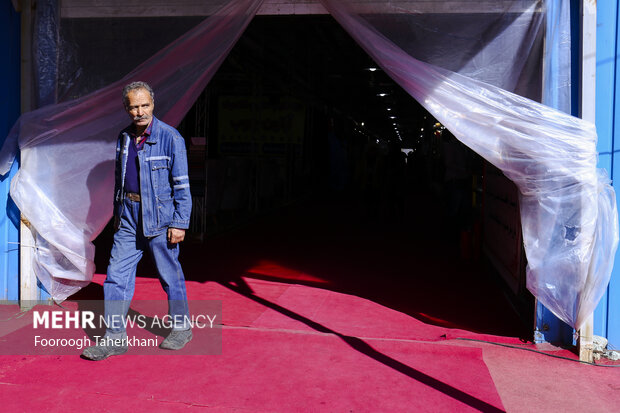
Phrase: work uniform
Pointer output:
(151, 195)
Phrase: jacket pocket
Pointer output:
(165, 211)
(160, 173)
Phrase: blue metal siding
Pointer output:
(9, 236)
(9, 111)
(607, 314)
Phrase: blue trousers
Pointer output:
(127, 250)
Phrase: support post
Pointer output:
(28, 289)
(586, 340)
(26, 55)
(587, 112)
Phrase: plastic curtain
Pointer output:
(557, 87)
(64, 186)
(568, 208)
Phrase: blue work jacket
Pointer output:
(164, 182)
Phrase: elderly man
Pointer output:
(152, 208)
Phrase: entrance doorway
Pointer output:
(305, 158)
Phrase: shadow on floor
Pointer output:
(403, 264)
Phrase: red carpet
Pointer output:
(322, 314)
(280, 353)
(260, 371)
(346, 314)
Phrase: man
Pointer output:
(152, 206)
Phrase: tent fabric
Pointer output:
(467, 79)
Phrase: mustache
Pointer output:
(140, 117)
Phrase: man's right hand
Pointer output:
(117, 223)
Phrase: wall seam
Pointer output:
(613, 139)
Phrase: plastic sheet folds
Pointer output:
(65, 183)
(568, 209)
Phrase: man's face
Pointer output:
(140, 107)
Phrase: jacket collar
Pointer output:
(153, 137)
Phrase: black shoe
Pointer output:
(177, 339)
(101, 352)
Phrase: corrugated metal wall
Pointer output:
(607, 314)
(9, 111)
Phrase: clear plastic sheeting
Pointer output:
(473, 56)
(568, 208)
(65, 184)
(557, 69)
(498, 43)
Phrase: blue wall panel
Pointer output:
(9, 111)
(609, 308)
(607, 314)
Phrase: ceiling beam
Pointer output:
(283, 7)
(158, 8)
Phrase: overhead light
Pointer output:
(372, 69)
(362, 123)
(382, 94)
(389, 109)
(392, 117)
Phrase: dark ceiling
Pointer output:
(314, 58)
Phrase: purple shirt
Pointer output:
(132, 174)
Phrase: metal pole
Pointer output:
(28, 290)
(587, 112)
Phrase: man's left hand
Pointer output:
(175, 235)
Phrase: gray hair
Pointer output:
(134, 86)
